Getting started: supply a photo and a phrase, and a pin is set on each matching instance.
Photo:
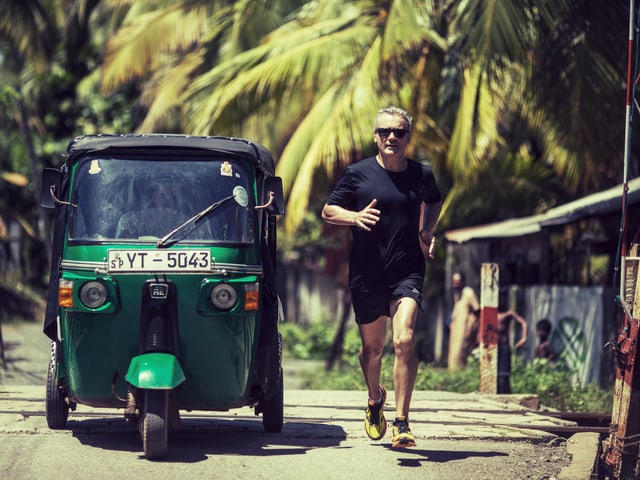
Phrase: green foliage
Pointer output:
(552, 382)
(555, 386)
(308, 244)
(308, 342)
(465, 380)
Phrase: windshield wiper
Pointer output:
(191, 224)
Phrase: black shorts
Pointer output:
(368, 305)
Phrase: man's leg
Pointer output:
(373, 336)
(405, 368)
(404, 312)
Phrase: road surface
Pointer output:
(458, 436)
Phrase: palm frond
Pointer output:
(328, 136)
(490, 198)
(491, 29)
(14, 178)
(142, 45)
(579, 81)
(557, 148)
(27, 26)
(163, 95)
(294, 64)
(337, 130)
(475, 135)
(409, 27)
(252, 22)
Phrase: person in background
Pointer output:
(465, 320)
(504, 347)
(392, 204)
(543, 332)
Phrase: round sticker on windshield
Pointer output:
(241, 196)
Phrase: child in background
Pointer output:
(543, 331)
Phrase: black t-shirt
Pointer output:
(391, 250)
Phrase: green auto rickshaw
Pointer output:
(162, 290)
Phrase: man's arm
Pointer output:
(365, 218)
(525, 329)
(429, 214)
(523, 324)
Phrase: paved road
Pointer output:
(459, 436)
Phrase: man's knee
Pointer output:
(372, 349)
(404, 343)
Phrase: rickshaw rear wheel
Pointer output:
(56, 405)
(273, 409)
(155, 425)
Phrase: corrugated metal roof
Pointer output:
(600, 203)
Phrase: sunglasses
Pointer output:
(397, 132)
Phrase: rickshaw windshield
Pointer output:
(138, 200)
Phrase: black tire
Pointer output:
(56, 404)
(273, 409)
(155, 426)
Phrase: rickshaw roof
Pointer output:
(227, 146)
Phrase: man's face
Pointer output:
(456, 281)
(391, 135)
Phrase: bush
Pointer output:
(311, 342)
(552, 382)
(556, 388)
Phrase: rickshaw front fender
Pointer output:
(155, 371)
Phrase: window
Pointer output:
(143, 200)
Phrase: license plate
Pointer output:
(159, 261)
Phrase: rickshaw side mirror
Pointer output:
(50, 189)
(273, 185)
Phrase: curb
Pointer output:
(583, 448)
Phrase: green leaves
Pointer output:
(481, 78)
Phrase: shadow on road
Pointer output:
(200, 438)
(414, 457)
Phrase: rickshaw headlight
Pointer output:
(224, 297)
(93, 294)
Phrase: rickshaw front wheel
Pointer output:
(56, 405)
(155, 423)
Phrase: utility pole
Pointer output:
(489, 290)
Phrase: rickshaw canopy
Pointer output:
(227, 146)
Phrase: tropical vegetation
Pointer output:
(552, 382)
(517, 105)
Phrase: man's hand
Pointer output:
(428, 243)
(367, 217)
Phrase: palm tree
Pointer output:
(43, 55)
(164, 45)
(468, 71)
(27, 26)
(26, 37)
(307, 78)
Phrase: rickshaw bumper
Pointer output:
(159, 371)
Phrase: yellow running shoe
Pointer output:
(374, 423)
(402, 436)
